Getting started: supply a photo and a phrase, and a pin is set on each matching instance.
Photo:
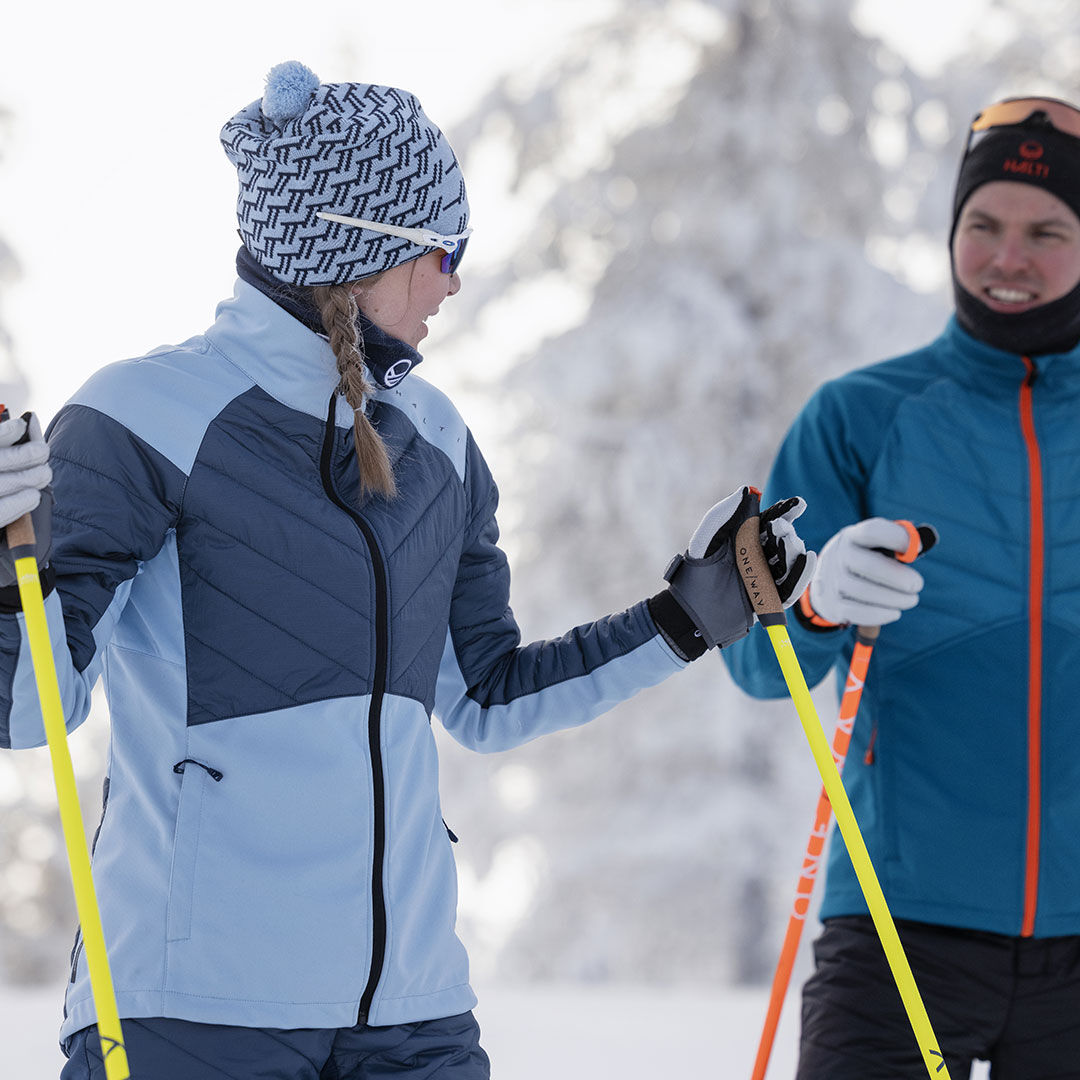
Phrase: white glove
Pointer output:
(24, 467)
(856, 584)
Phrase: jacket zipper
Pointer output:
(1035, 617)
(378, 783)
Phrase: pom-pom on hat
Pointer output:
(289, 87)
(352, 149)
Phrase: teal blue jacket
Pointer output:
(964, 766)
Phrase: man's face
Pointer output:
(1016, 246)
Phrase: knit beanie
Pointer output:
(352, 149)
(1032, 153)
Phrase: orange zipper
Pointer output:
(1035, 618)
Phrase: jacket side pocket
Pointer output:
(195, 779)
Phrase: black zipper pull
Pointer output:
(215, 774)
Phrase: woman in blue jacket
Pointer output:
(964, 764)
(281, 555)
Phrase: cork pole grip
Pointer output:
(754, 571)
(20, 533)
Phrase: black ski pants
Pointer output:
(1012, 1001)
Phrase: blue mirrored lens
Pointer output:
(452, 259)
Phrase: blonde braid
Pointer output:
(338, 310)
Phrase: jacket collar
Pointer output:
(387, 359)
(291, 363)
(984, 364)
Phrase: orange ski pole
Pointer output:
(921, 540)
(815, 845)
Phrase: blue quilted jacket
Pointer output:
(272, 851)
(964, 766)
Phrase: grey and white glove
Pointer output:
(791, 565)
(25, 477)
(856, 584)
(24, 466)
(706, 603)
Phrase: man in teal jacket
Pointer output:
(964, 765)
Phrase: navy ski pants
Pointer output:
(160, 1049)
(1012, 1001)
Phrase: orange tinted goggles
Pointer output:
(1058, 114)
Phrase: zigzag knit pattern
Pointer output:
(359, 150)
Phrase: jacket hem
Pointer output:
(271, 1014)
(966, 918)
(453, 1001)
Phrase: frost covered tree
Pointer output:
(724, 203)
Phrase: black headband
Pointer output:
(1030, 153)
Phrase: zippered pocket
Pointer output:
(193, 788)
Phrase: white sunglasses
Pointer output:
(454, 246)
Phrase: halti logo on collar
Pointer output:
(396, 372)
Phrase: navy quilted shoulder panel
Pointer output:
(277, 580)
(275, 589)
(116, 498)
(421, 534)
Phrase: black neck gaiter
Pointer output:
(386, 358)
(1048, 328)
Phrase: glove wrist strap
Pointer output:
(676, 627)
(809, 618)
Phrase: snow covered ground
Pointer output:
(572, 1032)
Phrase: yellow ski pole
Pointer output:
(770, 613)
(921, 539)
(21, 541)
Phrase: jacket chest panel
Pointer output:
(279, 589)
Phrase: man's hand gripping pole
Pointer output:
(21, 542)
(770, 613)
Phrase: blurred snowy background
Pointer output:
(688, 213)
